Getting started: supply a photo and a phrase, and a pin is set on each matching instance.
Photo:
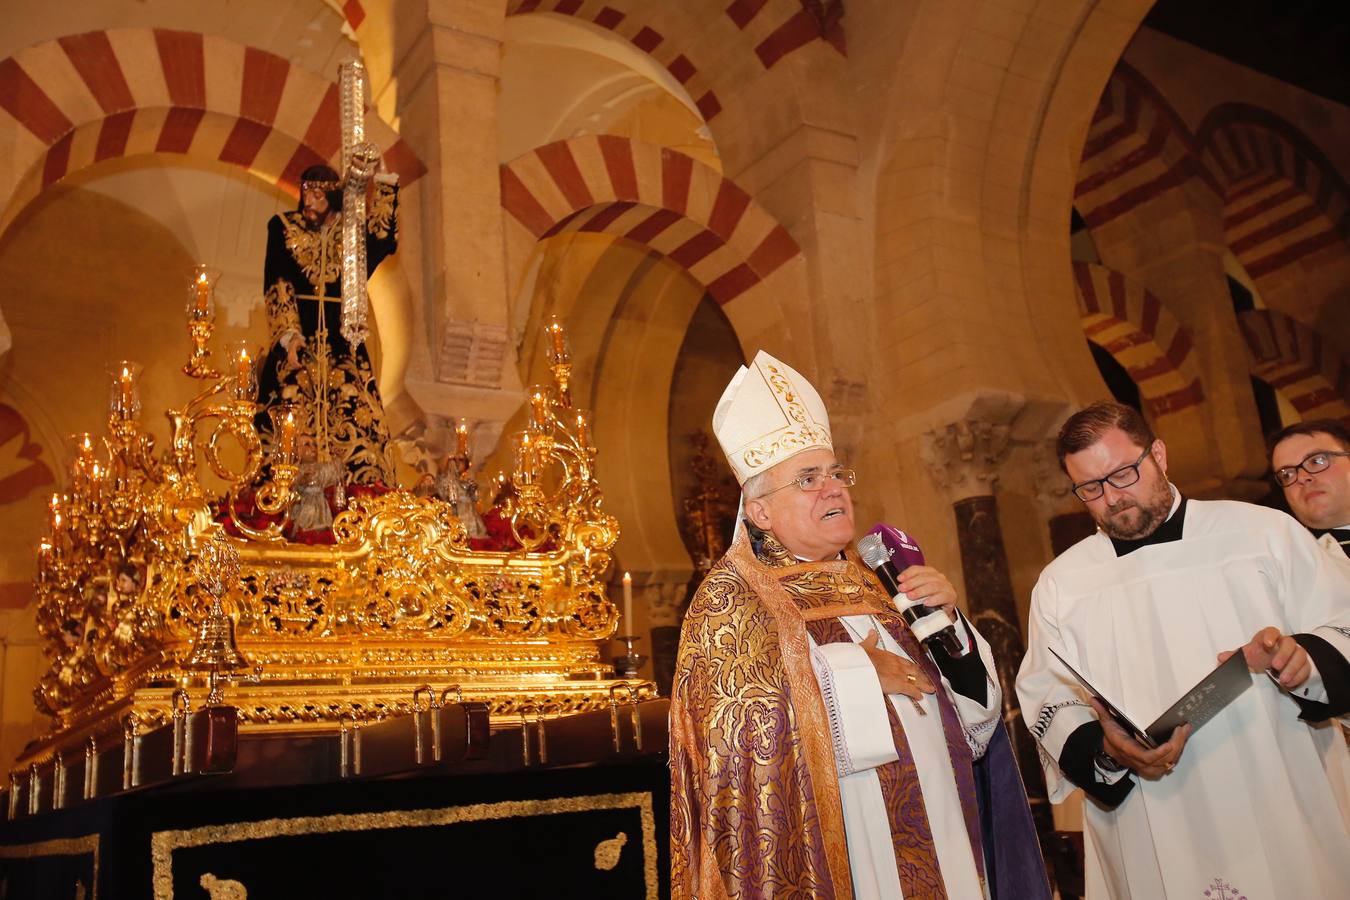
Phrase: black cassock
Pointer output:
(299, 260)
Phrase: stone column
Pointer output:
(965, 457)
(665, 610)
(446, 72)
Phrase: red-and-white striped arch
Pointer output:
(85, 98)
(652, 195)
(1137, 148)
(1283, 199)
(1312, 373)
(777, 27)
(642, 30)
(1142, 334)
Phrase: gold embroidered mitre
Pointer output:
(767, 414)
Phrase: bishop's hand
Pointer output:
(930, 587)
(1125, 750)
(897, 674)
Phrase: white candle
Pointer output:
(628, 602)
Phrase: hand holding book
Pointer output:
(1154, 751)
(1150, 762)
(1277, 654)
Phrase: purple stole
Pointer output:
(911, 834)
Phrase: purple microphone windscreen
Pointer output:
(903, 547)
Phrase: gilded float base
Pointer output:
(297, 699)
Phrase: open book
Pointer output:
(1197, 706)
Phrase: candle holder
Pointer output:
(243, 370)
(560, 361)
(525, 461)
(201, 321)
(124, 402)
(539, 409)
(627, 665)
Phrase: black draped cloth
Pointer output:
(304, 262)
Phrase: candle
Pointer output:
(203, 293)
(126, 391)
(462, 441)
(55, 504)
(557, 343)
(243, 373)
(628, 602)
(525, 460)
(96, 474)
(583, 439)
(123, 403)
(288, 436)
(79, 467)
(538, 409)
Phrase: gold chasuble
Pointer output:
(755, 802)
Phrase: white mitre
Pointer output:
(767, 414)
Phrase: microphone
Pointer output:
(881, 549)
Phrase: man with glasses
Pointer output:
(816, 748)
(1258, 800)
(1311, 462)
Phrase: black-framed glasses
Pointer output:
(1120, 478)
(1312, 464)
(811, 482)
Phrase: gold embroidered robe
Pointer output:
(755, 802)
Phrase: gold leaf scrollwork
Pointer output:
(398, 597)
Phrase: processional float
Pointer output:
(154, 591)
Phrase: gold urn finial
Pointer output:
(214, 650)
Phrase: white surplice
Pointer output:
(862, 741)
(1332, 545)
(1259, 803)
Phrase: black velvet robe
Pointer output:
(300, 260)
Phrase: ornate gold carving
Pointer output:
(710, 508)
(348, 629)
(164, 843)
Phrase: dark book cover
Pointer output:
(1197, 706)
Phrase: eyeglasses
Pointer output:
(1312, 464)
(811, 482)
(1120, 478)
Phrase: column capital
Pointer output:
(1051, 487)
(964, 456)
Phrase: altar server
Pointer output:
(1311, 462)
(1254, 803)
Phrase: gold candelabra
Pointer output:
(345, 631)
(201, 321)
